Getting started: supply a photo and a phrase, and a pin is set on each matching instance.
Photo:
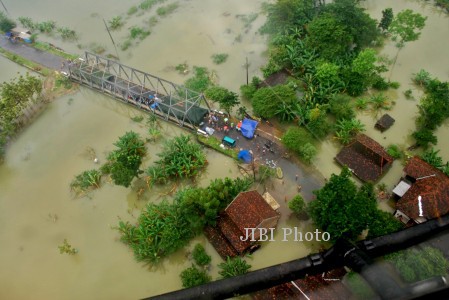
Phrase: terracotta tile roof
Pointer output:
(219, 241)
(249, 209)
(431, 184)
(366, 158)
(385, 122)
(417, 168)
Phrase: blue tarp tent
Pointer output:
(245, 155)
(248, 128)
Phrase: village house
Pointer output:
(247, 210)
(366, 158)
(422, 193)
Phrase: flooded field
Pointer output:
(37, 210)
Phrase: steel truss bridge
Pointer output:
(165, 99)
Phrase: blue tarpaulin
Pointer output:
(245, 155)
(248, 128)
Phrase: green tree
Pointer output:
(328, 37)
(347, 129)
(416, 264)
(406, 27)
(223, 96)
(360, 27)
(179, 158)
(300, 141)
(191, 277)
(266, 100)
(340, 106)
(297, 205)
(365, 66)
(383, 223)
(328, 74)
(200, 256)
(341, 209)
(126, 160)
(387, 18)
(424, 137)
(233, 267)
(15, 97)
(6, 24)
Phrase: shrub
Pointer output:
(297, 205)
(219, 58)
(132, 10)
(233, 267)
(6, 24)
(340, 107)
(166, 10)
(266, 100)
(300, 141)
(200, 80)
(200, 256)
(116, 23)
(192, 277)
(87, 180)
(394, 151)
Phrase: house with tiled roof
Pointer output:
(248, 210)
(423, 192)
(366, 158)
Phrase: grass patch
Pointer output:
(247, 19)
(214, 143)
(51, 49)
(182, 68)
(25, 62)
(137, 119)
(164, 11)
(138, 32)
(63, 81)
(152, 21)
(219, 58)
(148, 4)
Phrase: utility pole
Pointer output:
(106, 25)
(5, 8)
(247, 66)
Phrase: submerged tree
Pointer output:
(406, 27)
(387, 18)
(180, 158)
(124, 162)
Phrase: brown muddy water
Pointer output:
(429, 53)
(37, 210)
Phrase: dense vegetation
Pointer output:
(163, 228)
(179, 158)
(193, 276)
(6, 24)
(344, 211)
(416, 264)
(432, 108)
(15, 97)
(123, 163)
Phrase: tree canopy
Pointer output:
(407, 26)
(266, 100)
(341, 209)
(223, 96)
(124, 162)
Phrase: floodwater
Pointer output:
(429, 52)
(37, 210)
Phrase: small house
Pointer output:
(385, 122)
(422, 193)
(247, 210)
(366, 158)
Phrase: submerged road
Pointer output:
(46, 59)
